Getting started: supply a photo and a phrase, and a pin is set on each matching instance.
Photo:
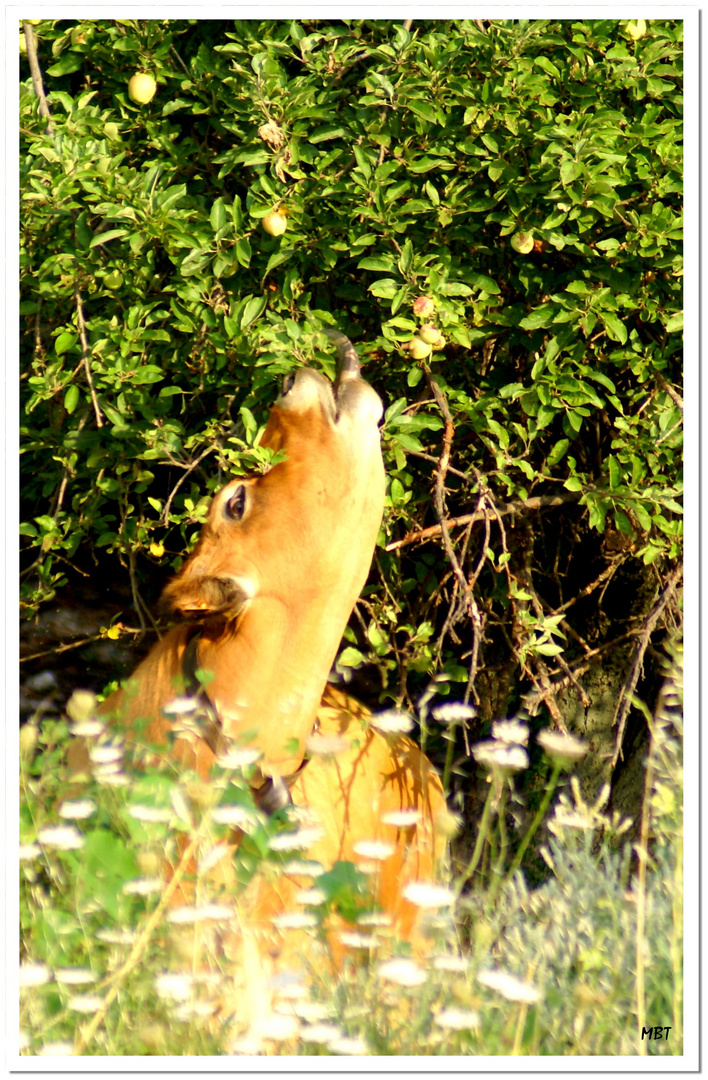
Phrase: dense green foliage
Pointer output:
(408, 163)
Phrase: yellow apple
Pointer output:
(275, 223)
(141, 88)
(522, 242)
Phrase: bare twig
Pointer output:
(625, 698)
(86, 355)
(188, 469)
(36, 71)
(520, 506)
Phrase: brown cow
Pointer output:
(280, 563)
(267, 594)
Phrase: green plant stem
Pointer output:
(481, 835)
(538, 818)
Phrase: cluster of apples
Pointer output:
(429, 337)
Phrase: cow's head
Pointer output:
(282, 559)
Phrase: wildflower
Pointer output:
(310, 896)
(392, 722)
(352, 940)
(61, 837)
(510, 731)
(374, 849)
(87, 728)
(239, 758)
(401, 818)
(326, 745)
(241, 817)
(312, 1011)
(457, 1019)
(402, 971)
(175, 987)
(29, 851)
(150, 813)
(454, 712)
(85, 1003)
(291, 841)
(425, 895)
(34, 975)
(143, 886)
(77, 808)
(106, 753)
(56, 1049)
(212, 857)
(186, 915)
(349, 1045)
(74, 976)
(117, 779)
(277, 1027)
(563, 750)
(180, 705)
(509, 986)
(304, 868)
(499, 758)
(375, 918)
(295, 920)
(272, 133)
(321, 1033)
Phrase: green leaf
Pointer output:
(65, 342)
(675, 323)
(253, 310)
(614, 326)
(218, 217)
(71, 398)
(104, 237)
(350, 657)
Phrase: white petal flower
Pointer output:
(392, 722)
(510, 731)
(509, 986)
(116, 937)
(425, 895)
(174, 987)
(56, 1049)
(352, 940)
(185, 916)
(563, 749)
(77, 809)
(375, 918)
(29, 851)
(374, 849)
(401, 818)
(75, 976)
(85, 1003)
(118, 779)
(143, 886)
(194, 1010)
(500, 758)
(457, 1019)
(61, 837)
(310, 896)
(105, 753)
(34, 975)
(181, 705)
(292, 841)
(402, 971)
(295, 920)
(326, 745)
(87, 728)
(304, 868)
(321, 1033)
(454, 712)
(239, 758)
(277, 1027)
(240, 817)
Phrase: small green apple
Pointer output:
(418, 348)
(522, 242)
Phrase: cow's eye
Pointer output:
(288, 383)
(236, 505)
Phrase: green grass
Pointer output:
(577, 966)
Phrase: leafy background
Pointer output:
(524, 175)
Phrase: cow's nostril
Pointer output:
(236, 506)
